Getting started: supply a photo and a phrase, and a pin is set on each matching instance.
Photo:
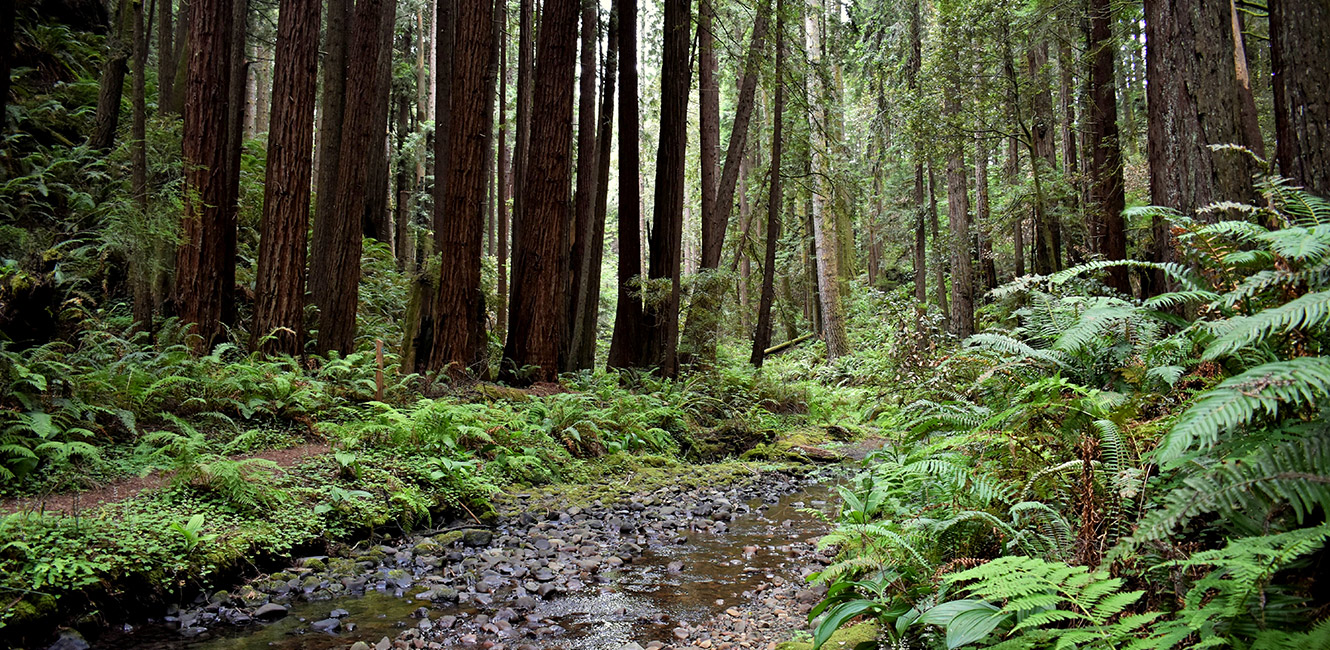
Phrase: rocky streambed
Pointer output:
(682, 566)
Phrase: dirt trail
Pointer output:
(116, 491)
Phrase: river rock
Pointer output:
(69, 640)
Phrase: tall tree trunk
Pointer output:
(626, 344)
(201, 259)
(459, 326)
(1018, 220)
(445, 47)
(376, 220)
(939, 271)
(920, 247)
(1299, 41)
(491, 98)
(762, 337)
(662, 312)
(700, 332)
(111, 88)
(1107, 193)
(588, 307)
(532, 349)
(1043, 157)
(331, 108)
(525, 67)
(1193, 102)
(403, 250)
(505, 180)
(6, 59)
(584, 199)
(958, 215)
(824, 226)
(708, 102)
(1251, 125)
(982, 218)
(360, 131)
(141, 270)
(279, 285)
(235, 141)
(166, 57)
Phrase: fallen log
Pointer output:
(787, 345)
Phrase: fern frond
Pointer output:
(1236, 401)
(1293, 472)
(1307, 312)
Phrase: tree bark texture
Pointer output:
(141, 270)
(279, 285)
(958, 215)
(588, 305)
(1193, 102)
(627, 343)
(825, 239)
(331, 106)
(235, 141)
(525, 68)
(584, 201)
(1107, 191)
(762, 336)
(1299, 43)
(459, 312)
(119, 46)
(532, 349)
(376, 220)
(360, 131)
(166, 58)
(445, 48)
(505, 181)
(201, 259)
(662, 312)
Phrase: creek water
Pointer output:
(641, 601)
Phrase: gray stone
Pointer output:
(270, 611)
(328, 625)
(69, 640)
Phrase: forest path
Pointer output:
(74, 502)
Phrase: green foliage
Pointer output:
(1046, 604)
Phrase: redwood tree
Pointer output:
(201, 261)
(584, 200)
(360, 131)
(331, 105)
(279, 285)
(1194, 102)
(762, 337)
(588, 304)
(1107, 193)
(627, 343)
(459, 327)
(532, 349)
(662, 312)
(1299, 43)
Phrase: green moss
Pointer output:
(844, 638)
(449, 538)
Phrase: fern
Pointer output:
(1237, 401)
(1308, 312)
(1044, 602)
(1294, 472)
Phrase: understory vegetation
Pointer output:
(1098, 471)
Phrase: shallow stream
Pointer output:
(696, 570)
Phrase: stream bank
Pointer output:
(686, 565)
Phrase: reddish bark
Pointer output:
(532, 349)
(459, 328)
(201, 259)
(279, 285)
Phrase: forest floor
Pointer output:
(75, 501)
